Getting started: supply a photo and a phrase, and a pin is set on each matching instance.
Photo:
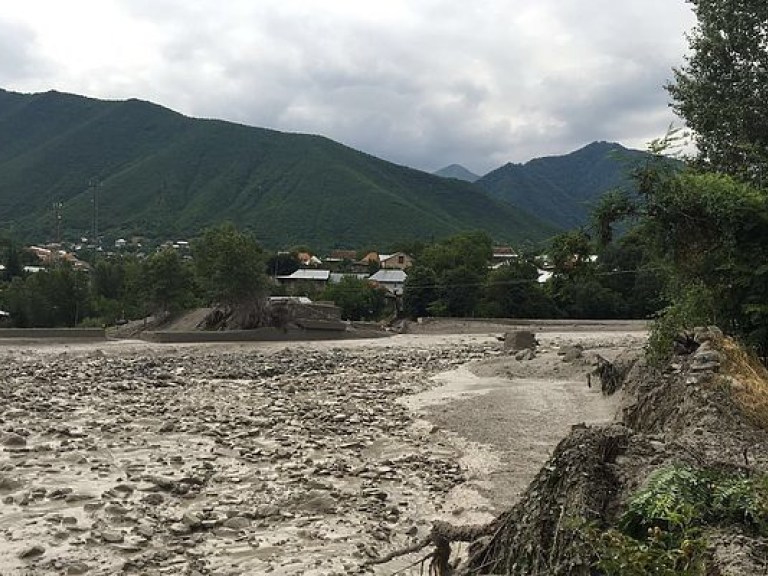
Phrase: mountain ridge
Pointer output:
(562, 189)
(165, 174)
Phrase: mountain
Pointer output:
(164, 175)
(457, 171)
(563, 189)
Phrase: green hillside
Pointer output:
(563, 189)
(165, 175)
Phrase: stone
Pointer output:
(519, 340)
(237, 523)
(77, 568)
(13, 440)
(524, 355)
(8, 484)
(32, 552)
(179, 529)
(571, 353)
(112, 536)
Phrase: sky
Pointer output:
(424, 83)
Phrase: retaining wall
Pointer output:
(52, 333)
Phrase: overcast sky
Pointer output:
(424, 83)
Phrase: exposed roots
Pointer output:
(441, 537)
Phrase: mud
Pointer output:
(247, 459)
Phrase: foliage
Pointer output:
(691, 306)
(722, 90)
(470, 250)
(56, 297)
(230, 265)
(513, 291)
(282, 264)
(661, 530)
(420, 291)
(711, 235)
(169, 282)
(358, 299)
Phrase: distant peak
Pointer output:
(457, 171)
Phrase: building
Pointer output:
(312, 277)
(392, 280)
(396, 261)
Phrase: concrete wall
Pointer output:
(52, 333)
(259, 335)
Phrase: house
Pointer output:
(370, 258)
(341, 256)
(397, 261)
(315, 278)
(502, 254)
(392, 280)
(307, 259)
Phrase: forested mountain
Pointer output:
(459, 172)
(563, 189)
(164, 175)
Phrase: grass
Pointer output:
(748, 381)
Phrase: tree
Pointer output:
(722, 90)
(471, 250)
(230, 265)
(419, 292)
(169, 282)
(513, 291)
(357, 298)
(56, 297)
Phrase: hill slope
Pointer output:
(165, 175)
(562, 189)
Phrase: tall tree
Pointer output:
(169, 282)
(722, 90)
(230, 265)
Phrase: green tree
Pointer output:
(513, 291)
(722, 90)
(169, 282)
(420, 291)
(230, 266)
(56, 297)
(471, 250)
(357, 298)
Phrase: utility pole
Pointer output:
(94, 184)
(57, 208)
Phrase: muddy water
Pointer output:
(249, 460)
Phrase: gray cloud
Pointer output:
(20, 59)
(423, 84)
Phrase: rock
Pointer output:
(77, 568)
(13, 440)
(32, 552)
(7, 484)
(112, 536)
(179, 529)
(237, 523)
(168, 426)
(527, 354)
(519, 340)
(571, 353)
(191, 519)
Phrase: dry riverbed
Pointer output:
(284, 459)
